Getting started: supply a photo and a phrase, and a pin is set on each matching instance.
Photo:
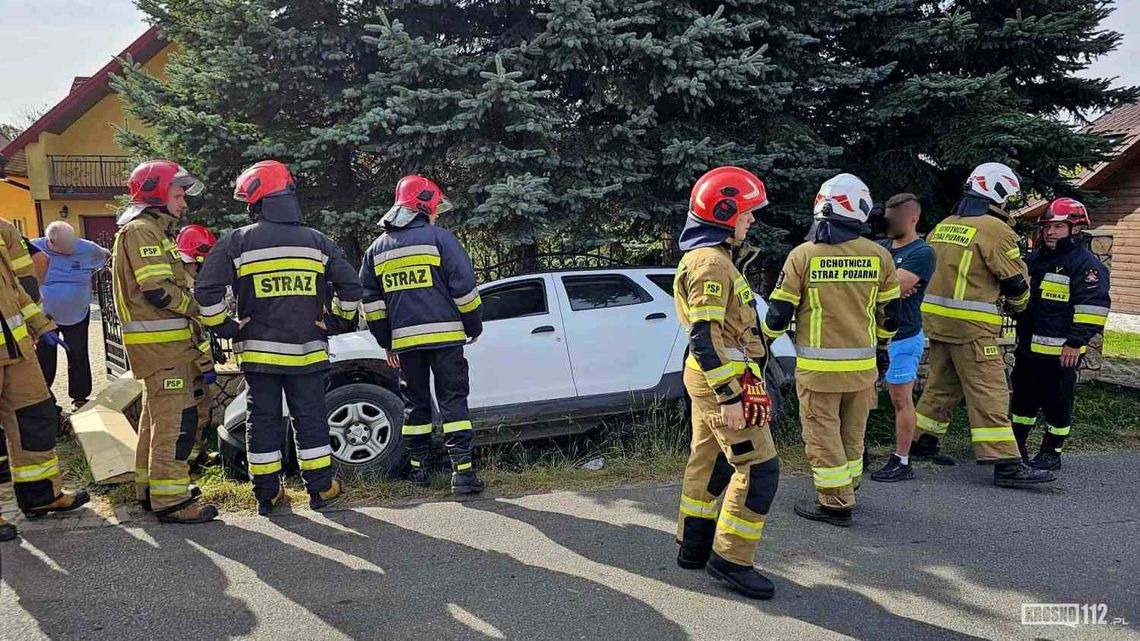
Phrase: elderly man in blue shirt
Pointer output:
(66, 293)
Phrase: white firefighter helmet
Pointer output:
(844, 196)
(995, 181)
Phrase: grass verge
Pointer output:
(1121, 345)
(645, 447)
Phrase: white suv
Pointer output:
(560, 350)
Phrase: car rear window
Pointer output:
(514, 300)
(601, 291)
(664, 281)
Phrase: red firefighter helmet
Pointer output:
(422, 195)
(195, 242)
(263, 179)
(722, 194)
(150, 183)
(1065, 210)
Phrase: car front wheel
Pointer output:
(364, 431)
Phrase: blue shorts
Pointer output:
(905, 356)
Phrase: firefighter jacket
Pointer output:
(1069, 300)
(283, 275)
(843, 293)
(419, 289)
(718, 311)
(978, 260)
(22, 321)
(14, 244)
(151, 294)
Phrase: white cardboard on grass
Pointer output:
(108, 442)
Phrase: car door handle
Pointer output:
(656, 316)
(542, 329)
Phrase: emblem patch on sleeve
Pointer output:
(714, 289)
(1091, 276)
(173, 383)
(150, 251)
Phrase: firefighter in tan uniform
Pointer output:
(194, 243)
(843, 292)
(156, 310)
(978, 261)
(27, 410)
(732, 452)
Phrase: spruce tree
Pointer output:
(974, 81)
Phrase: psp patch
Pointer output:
(713, 288)
(289, 283)
(150, 251)
(173, 383)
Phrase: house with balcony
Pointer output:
(67, 165)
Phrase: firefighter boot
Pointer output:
(1020, 475)
(466, 482)
(742, 578)
(813, 511)
(927, 447)
(7, 530)
(265, 508)
(1021, 435)
(195, 492)
(192, 514)
(419, 476)
(321, 500)
(1049, 458)
(65, 502)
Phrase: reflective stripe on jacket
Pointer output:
(974, 253)
(145, 259)
(1069, 298)
(841, 294)
(284, 276)
(718, 311)
(419, 289)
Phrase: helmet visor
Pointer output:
(191, 184)
(444, 206)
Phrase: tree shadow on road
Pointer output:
(421, 586)
(104, 583)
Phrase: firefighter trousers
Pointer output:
(265, 435)
(30, 419)
(449, 369)
(1040, 384)
(834, 424)
(974, 371)
(168, 435)
(204, 397)
(741, 465)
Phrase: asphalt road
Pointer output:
(945, 557)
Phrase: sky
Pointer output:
(46, 43)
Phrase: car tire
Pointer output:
(364, 430)
(233, 461)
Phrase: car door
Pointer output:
(619, 334)
(521, 356)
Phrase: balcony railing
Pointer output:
(91, 176)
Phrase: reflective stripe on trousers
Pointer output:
(428, 334)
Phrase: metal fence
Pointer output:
(89, 172)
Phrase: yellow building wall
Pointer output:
(17, 206)
(93, 134)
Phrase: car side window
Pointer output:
(601, 291)
(514, 300)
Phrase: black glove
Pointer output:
(882, 362)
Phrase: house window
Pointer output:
(19, 223)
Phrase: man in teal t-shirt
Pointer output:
(914, 262)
